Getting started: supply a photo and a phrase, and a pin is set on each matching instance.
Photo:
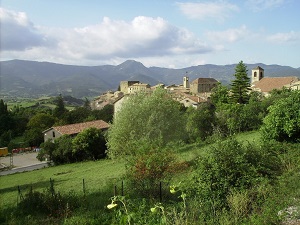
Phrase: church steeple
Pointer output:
(257, 74)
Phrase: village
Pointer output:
(195, 92)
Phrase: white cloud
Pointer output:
(230, 35)
(17, 32)
(280, 38)
(143, 36)
(208, 10)
(258, 5)
(110, 40)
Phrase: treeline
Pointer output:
(27, 124)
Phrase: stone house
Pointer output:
(73, 129)
(138, 87)
(202, 85)
(124, 85)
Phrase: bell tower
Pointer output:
(186, 83)
(257, 74)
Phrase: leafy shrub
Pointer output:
(146, 171)
(231, 166)
(283, 121)
(49, 203)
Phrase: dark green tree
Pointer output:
(240, 87)
(200, 122)
(105, 114)
(60, 108)
(33, 137)
(6, 123)
(90, 144)
(77, 115)
(87, 104)
(41, 121)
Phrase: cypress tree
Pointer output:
(240, 87)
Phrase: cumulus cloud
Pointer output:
(208, 10)
(17, 32)
(106, 41)
(281, 38)
(230, 35)
(143, 36)
(258, 5)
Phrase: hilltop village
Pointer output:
(193, 93)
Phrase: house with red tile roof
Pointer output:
(266, 84)
(73, 129)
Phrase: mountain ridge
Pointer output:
(33, 78)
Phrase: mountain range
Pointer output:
(19, 78)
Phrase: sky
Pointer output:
(163, 33)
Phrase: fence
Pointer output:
(118, 189)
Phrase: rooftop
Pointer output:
(267, 84)
(78, 127)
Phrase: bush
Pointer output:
(146, 171)
(231, 166)
(283, 121)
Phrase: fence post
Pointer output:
(52, 187)
(160, 192)
(19, 194)
(83, 186)
(115, 190)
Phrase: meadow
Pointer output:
(91, 185)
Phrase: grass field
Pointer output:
(95, 173)
(101, 176)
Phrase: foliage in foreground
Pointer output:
(268, 183)
(283, 121)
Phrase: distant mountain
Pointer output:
(32, 79)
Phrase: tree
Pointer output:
(219, 95)
(241, 85)
(60, 109)
(283, 121)
(89, 144)
(33, 137)
(41, 121)
(105, 114)
(78, 115)
(6, 122)
(200, 122)
(154, 119)
(87, 104)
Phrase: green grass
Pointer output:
(101, 176)
(97, 174)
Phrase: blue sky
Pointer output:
(164, 33)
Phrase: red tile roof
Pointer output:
(78, 127)
(267, 84)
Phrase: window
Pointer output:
(255, 74)
(53, 134)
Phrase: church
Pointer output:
(265, 85)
